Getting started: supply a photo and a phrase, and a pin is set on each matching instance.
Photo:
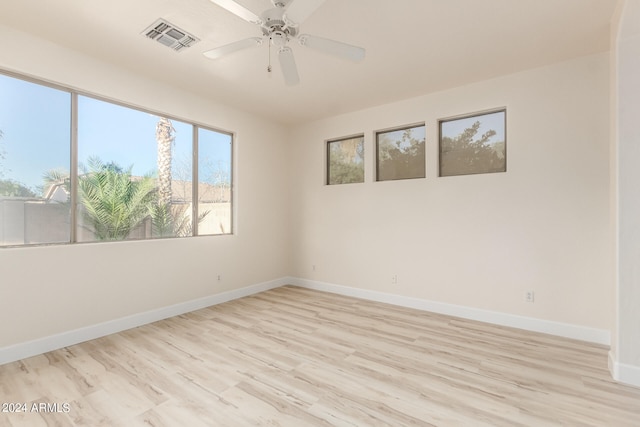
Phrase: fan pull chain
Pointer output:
(269, 66)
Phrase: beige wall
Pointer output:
(50, 290)
(477, 241)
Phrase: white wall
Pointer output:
(477, 241)
(50, 290)
(626, 352)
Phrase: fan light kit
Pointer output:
(280, 25)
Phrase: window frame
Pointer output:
(73, 161)
(327, 174)
(196, 174)
(471, 116)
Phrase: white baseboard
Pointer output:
(583, 333)
(627, 374)
(54, 342)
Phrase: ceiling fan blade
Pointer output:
(332, 47)
(232, 47)
(300, 10)
(238, 10)
(288, 65)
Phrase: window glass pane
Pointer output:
(134, 174)
(214, 182)
(401, 153)
(345, 161)
(473, 144)
(35, 123)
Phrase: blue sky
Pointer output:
(491, 121)
(417, 133)
(35, 121)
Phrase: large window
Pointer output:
(129, 173)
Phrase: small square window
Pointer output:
(401, 153)
(345, 161)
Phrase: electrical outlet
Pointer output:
(529, 296)
(394, 279)
(219, 278)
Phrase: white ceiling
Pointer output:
(413, 46)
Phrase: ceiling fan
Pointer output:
(279, 25)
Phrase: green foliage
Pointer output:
(169, 220)
(11, 188)
(401, 159)
(465, 155)
(162, 220)
(346, 161)
(114, 202)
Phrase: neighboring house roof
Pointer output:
(182, 192)
(57, 193)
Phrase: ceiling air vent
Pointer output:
(169, 35)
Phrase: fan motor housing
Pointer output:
(273, 24)
(282, 4)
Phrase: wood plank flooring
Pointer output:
(297, 357)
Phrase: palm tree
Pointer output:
(168, 220)
(114, 202)
(164, 139)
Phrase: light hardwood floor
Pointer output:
(297, 357)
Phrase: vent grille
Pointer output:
(169, 35)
